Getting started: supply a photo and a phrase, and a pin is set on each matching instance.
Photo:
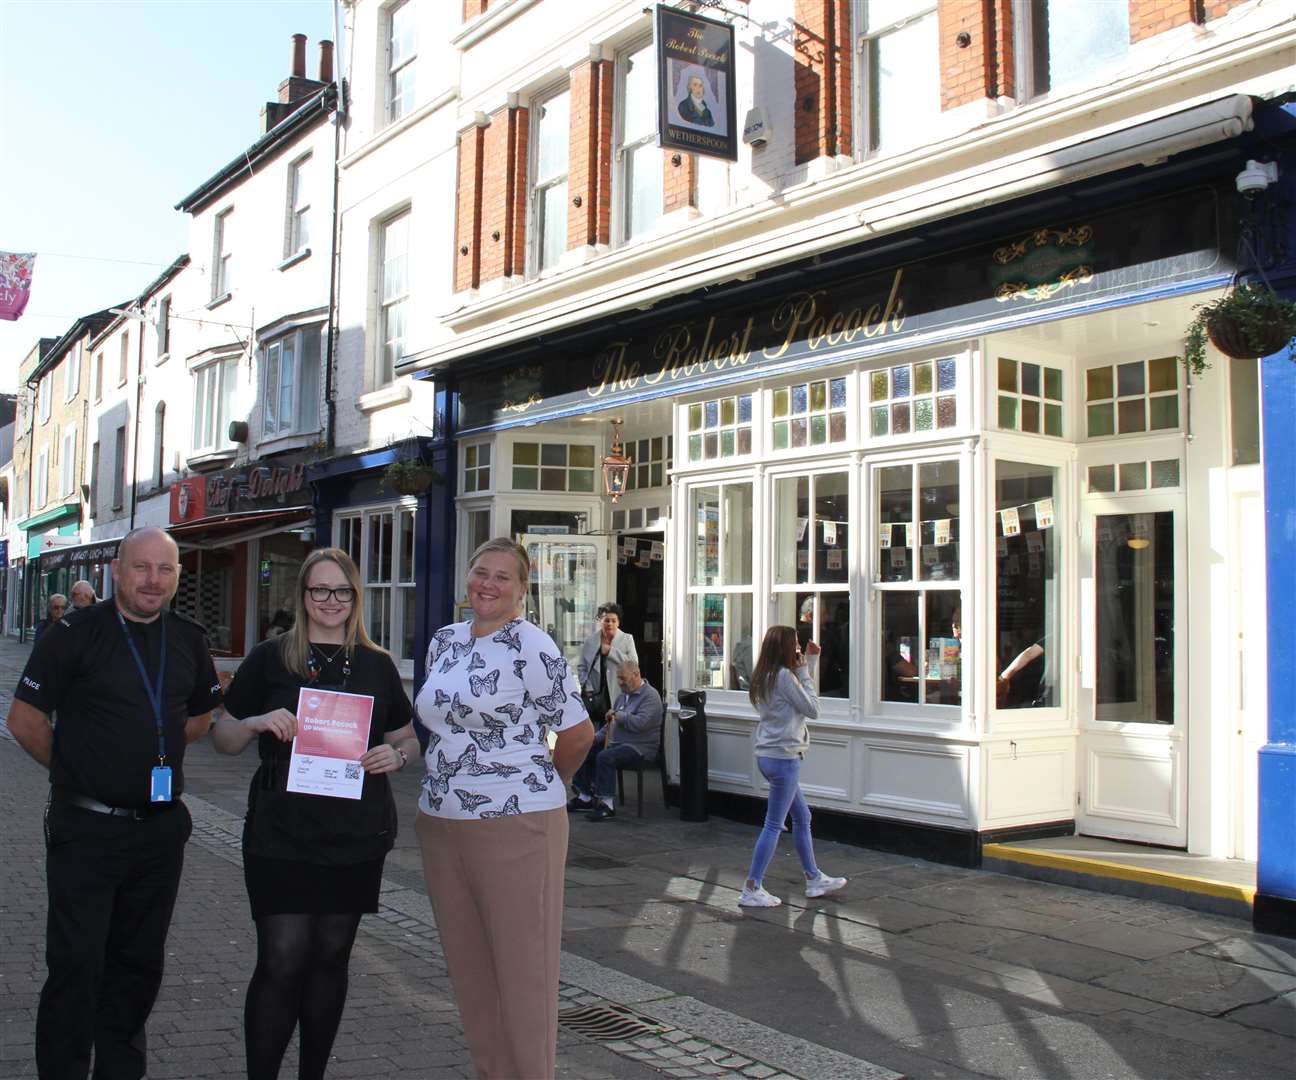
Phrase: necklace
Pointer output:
(315, 667)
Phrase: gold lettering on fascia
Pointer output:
(681, 353)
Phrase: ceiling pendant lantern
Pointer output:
(616, 466)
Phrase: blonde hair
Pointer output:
(505, 546)
(294, 644)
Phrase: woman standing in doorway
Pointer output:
(493, 827)
(783, 692)
(313, 864)
(601, 657)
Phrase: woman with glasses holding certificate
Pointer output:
(330, 719)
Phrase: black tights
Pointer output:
(300, 978)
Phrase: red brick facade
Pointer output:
(969, 55)
(468, 209)
(589, 160)
(977, 62)
(822, 78)
(679, 181)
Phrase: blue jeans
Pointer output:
(597, 776)
(783, 775)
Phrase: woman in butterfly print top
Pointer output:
(493, 822)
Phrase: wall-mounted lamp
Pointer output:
(616, 466)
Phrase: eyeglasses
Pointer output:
(322, 595)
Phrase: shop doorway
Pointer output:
(1133, 732)
(640, 590)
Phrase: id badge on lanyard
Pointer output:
(160, 780)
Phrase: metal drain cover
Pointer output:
(608, 1023)
(597, 862)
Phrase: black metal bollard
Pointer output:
(693, 755)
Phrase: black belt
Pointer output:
(61, 797)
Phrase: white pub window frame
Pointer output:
(551, 139)
(393, 295)
(72, 373)
(297, 223)
(636, 158)
(898, 85)
(1089, 37)
(214, 385)
(402, 51)
(43, 391)
(67, 466)
(290, 390)
(222, 276)
(42, 478)
(381, 541)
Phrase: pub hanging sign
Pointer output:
(695, 85)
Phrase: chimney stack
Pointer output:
(297, 87)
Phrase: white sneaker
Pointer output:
(823, 885)
(758, 897)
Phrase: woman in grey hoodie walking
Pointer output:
(782, 691)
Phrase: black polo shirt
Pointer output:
(105, 737)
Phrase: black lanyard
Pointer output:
(154, 692)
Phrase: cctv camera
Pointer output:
(1256, 177)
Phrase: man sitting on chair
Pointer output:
(629, 736)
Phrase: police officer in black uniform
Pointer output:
(132, 682)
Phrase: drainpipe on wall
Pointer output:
(330, 360)
(139, 394)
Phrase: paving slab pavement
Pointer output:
(915, 969)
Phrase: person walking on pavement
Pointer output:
(630, 734)
(492, 828)
(783, 693)
(312, 863)
(133, 683)
(83, 594)
(55, 607)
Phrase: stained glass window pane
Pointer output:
(1133, 475)
(1129, 378)
(1102, 420)
(1131, 416)
(1102, 477)
(946, 411)
(1163, 412)
(1098, 384)
(946, 373)
(1007, 374)
(1165, 473)
(1163, 373)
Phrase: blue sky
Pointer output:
(110, 112)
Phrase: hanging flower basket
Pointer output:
(410, 477)
(1230, 336)
(1248, 321)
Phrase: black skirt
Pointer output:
(288, 887)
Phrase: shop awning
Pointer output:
(98, 552)
(223, 530)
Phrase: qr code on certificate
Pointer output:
(353, 770)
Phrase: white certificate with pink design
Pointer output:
(332, 736)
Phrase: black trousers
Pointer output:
(112, 884)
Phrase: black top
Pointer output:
(105, 740)
(283, 824)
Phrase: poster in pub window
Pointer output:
(695, 92)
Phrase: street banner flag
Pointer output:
(15, 283)
(696, 95)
